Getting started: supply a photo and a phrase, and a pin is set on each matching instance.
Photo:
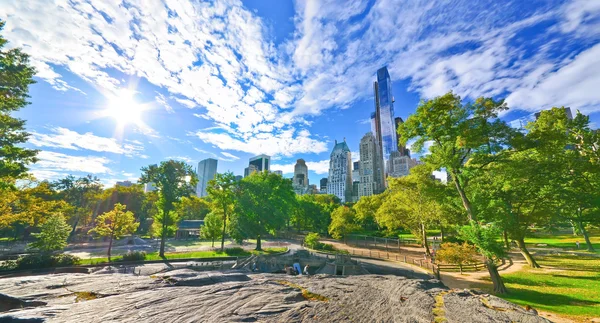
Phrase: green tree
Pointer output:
(264, 204)
(82, 193)
(484, 237)
(173, 180)
(343, 222)
(221, 192)
(192, 208)
(115, 224)
(464, 138)
(366, 208)
(458, 254)
(132, 197)
(310, 214)
(213, 223)
(16, 74)
(53, 235)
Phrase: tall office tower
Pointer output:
(400, 165)
(567, 111)
(323, 185)
(384, 129)
(124, 183)
(356, 171)
(401, 148)
(339, 182)
(249, 170)
(300, 173)
(238, 178)
(371, 169)
(261, 162)
(207, 169)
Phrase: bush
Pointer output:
(44, 260)
(134, 256)
(312, 240)
(235, 251)
(326, 247)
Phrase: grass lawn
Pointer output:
(194, 243)
(563, 241)
(195, 254)
(566, 285)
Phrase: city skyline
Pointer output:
(232, 79)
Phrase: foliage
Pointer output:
(192, 208)
(42, 260)
(115, 224)
(173, 180)
(133, 197)
(134, 256)
(82, 194)
(222, 193)
(311, 213)
(53, 235)
(366, 208)
(312, 240)
(459, 254)
(211, 230)
(264, 203)
(16, 74)
(485, 239)
(343, 222)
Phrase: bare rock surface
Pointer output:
(185, 295)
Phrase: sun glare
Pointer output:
(124, 109)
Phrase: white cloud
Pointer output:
(230, 156)
(68, 139)
(160, 99)
(319, 167)
(181, 158)
(187, 103)
(56, 162)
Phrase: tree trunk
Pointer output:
(224, 227)
(425, 243)
(213, 242)
(506, 244)
(163, 234)
(258, 243)
(74, 228)
(464, 198)
(441, 233)
(521, 244)
(574, 229)
(110, 246)
(499, 287)
(590, 246)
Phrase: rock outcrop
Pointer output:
(184, 295)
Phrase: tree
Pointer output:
(81, 193)
(485, 239)
(221, 192)
(173, 180)
(16, 74)
(53, 235)
(343, 222)
(115, 224)
(464, 140)
(132, 197)
(367, 207)
(459, 254)
(264, 204)
(211, 229)
(310, 214)
(192, 208)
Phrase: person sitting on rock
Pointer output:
(288, 270)
(306, 270)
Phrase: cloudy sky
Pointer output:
(124, 84)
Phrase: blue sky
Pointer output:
(125, 84)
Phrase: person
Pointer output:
(433, 256)
(288, 270)
(306, 270)
(297, 268)
(577, 243)
(254, 266)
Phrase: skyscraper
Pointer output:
(339, 182)
(323, 185)
(383, 125)
(207, 169)
(258, 164)
(300, 173)
(400, 165)
(370, 169)
(278, 172)
(401, 148)
(356, 171)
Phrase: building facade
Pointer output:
(278, 172)
(339, 182)
(356, 171)
(149, 187)
(400, 165)
(300, 173)
(124, 183)
(323, 185)
(401, 148)
(370, 169)
(262, 162)
(207, 169)
(382, 121)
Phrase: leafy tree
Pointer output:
(192, 208)
(465, 138)
(115, 224)
(173, 180)
(211, 229)
(343, 222)
(16, 74)
(455, 253)
(264, 203)
(484, 238)
(310, 214)
(367, 207)
(82, 193)
(312, 240)
(221, 192)
(132, 197)
(53, 235)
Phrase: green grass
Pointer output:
(193, 243)
(566, 285)
(185, 255)
(565, 241)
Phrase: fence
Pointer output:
(386, 244)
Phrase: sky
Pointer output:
(125, 84)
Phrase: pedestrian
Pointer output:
(254, 266)
(433, 256)
(306, 270)
(577, 243)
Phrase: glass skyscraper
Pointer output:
(382, 121)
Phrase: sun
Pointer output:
(124, 109)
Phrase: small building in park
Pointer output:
(189, 229)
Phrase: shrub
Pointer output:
(134, 256)
(45, 260)
(326, 247)
(53, 235)
(458, 254)
(312, 240)
(235, 251)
